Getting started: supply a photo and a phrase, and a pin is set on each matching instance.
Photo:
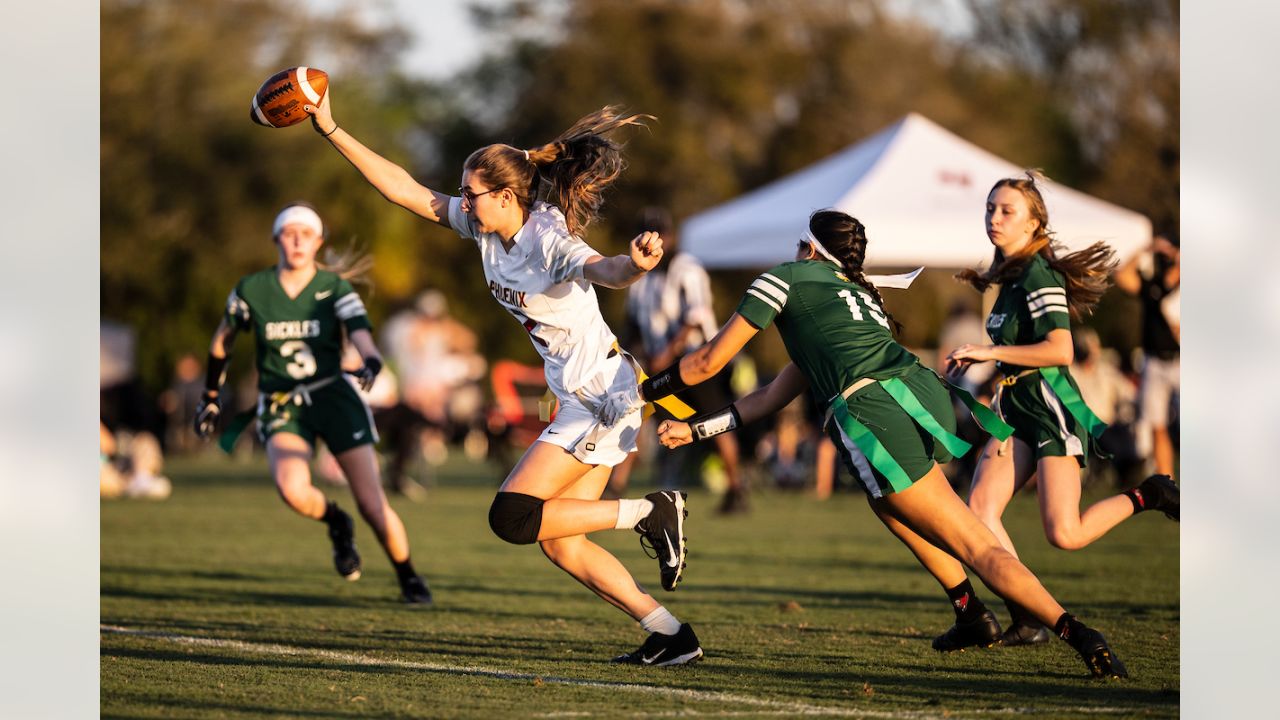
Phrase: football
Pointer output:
(278, 103)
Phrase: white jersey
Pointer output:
(540, 283)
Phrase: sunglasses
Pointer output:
(470, 197)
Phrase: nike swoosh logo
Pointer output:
(1046, 442)
(357, 435)
(649, 660)
(674, 561)
(323, 295)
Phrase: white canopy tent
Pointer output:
(920, 191)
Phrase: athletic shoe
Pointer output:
(735, 501)
(982, 631)
(1097, 656)
(415, 591)
(1159, 492)
(664, 529)
(1025, 632)
(345, 558)
(663, 650)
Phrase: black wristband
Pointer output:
(216, 372)
(374, 364)
(667, 382)
(334, 130)
(712, 424)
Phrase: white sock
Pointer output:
(660, 621)
(631, 512)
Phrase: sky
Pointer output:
(444, 38)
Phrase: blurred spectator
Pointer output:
(179, 404)
(1112, 397)
(1154, 277)
(439, 398)
(669, 312)
(129, 422)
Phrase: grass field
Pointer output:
(221, 603)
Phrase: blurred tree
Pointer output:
(190, 185)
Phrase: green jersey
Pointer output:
(833, 329)
(1028, 307)
(298, 340)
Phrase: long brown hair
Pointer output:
(1087, 272)
(577, 166)
(846, 238)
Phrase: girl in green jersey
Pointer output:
(1053, 429)
(298, 313)
(890, 416)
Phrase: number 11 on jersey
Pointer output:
(855, 307)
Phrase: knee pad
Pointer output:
(516, 517)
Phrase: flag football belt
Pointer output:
(1067, 395)
(672, 404)
(879, 456)
(299, 395)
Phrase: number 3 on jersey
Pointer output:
(303, 364)
(863, 300)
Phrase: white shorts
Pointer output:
(577, 429)
(1159, 390)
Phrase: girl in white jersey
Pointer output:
(540, 271)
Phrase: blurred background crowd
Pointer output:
(744, 93)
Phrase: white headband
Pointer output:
(809, 238)
(298, 214)
(902, 281)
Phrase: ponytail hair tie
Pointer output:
(526, 155)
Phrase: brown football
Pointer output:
(278, 103)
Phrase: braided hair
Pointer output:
(846, 238)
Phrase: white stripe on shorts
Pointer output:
(860, 463)
(1074, 446)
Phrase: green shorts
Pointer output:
(1042, 420)
(337, 414)
(901, 450)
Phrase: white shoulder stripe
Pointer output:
(347, 299)
(773, 279)
(771, 290)
(764, 298)
(349, 310)
(1046, 291)
(1049, 309)
(1047, 301)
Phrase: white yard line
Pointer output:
(769, 707)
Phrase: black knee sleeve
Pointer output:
(516, 517)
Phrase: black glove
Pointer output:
(367, 374)
(207, 412)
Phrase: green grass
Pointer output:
(802, 607)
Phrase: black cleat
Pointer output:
(664, 529)
(982, 631)
(1097, 655)
(734, 501)
(664, 650)
(1159, 492)
(415, 591)
(1025, 632)
(345, 558)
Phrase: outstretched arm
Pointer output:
(393, 181)
(763, 402)
(703, 363)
